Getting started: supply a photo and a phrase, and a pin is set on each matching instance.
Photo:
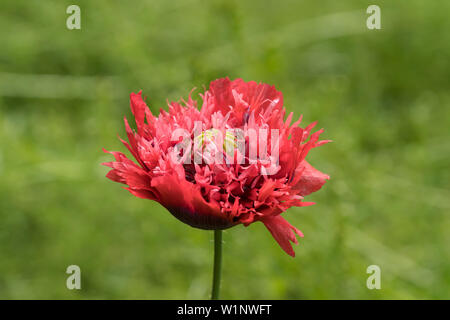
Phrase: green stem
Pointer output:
(217, 264)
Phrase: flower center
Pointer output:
(211, 137)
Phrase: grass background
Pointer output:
(382, 96)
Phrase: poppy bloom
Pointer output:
(242, 188)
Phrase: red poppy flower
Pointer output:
(221, 194)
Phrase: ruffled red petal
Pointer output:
(184, 200)
(283, 232)
(310, 180)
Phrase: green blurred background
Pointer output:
(382, 95)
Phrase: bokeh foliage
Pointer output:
(382, 96)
